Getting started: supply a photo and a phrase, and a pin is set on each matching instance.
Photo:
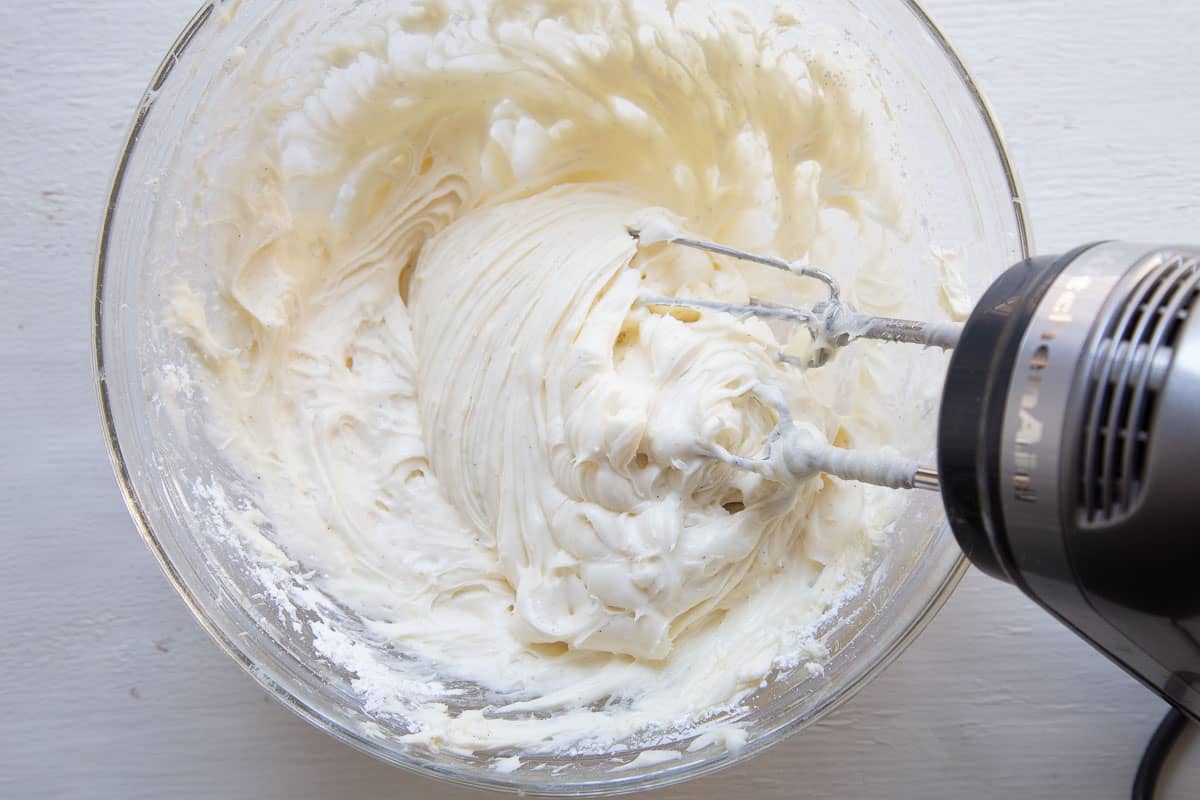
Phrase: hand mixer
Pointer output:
(1068, 443)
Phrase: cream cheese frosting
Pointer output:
(421, 344)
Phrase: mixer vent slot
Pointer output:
(1130, 365)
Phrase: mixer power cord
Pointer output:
(1165, 736)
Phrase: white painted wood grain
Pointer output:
(107, 687)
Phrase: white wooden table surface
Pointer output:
(109, 689)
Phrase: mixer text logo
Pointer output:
(1030, 428)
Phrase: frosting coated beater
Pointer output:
(793, 452)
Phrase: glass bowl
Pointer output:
(952, 153)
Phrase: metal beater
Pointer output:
(792, 452)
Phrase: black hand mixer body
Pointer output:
(1069, 450)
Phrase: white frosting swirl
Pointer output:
(422, 348)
